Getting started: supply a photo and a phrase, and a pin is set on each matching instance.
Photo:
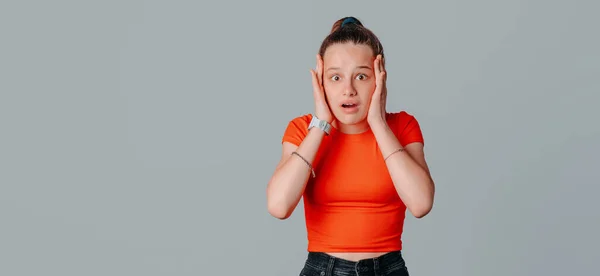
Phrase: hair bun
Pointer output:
(350, 20)
(345, 22)
(350, 29)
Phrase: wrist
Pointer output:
(377, 123)
(317, 131)
(324, 118)
(321, 124)
(379, 127)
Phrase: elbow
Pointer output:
(276, 206)
(279, 203)
(420, 212)
(423, 206)
(422, 209)
(278, 211)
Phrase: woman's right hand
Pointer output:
(322, 110)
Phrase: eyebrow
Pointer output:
(358, 67)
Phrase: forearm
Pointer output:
(289, 180)
(412, 181)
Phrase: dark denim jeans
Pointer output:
(322, 264)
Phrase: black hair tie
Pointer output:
(349, 20)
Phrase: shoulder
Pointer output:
(297, 129)
(301, 120)
(406, 126)
(400, 118)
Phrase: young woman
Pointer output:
(357, 166)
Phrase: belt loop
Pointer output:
(330, 266)
(376, 267)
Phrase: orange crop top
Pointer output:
(352, 205)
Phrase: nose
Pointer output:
(349, 89)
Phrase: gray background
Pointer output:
(137, 138)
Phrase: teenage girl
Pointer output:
(357, 167)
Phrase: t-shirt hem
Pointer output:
(354, 249)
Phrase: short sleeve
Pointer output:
(296, 130)
(408, 128)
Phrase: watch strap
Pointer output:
(321, 124)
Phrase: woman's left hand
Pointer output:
(377, 110)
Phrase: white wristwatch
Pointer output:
(323, 125)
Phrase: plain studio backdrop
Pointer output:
(138, 137)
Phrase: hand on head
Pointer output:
(377, 109)
(322, 110)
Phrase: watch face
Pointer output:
(322, 124)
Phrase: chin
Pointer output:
(350, 119)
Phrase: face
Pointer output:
(349, 81)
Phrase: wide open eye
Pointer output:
(361, 77)
(335, 78)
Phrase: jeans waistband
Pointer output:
(330, 265)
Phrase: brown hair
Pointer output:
(350, 29)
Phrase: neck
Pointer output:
(357, 128)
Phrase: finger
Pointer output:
(382, 71)
(315, 82)
(320, 69)
(376, 97)
(376, 69)
(318, 92)
(378, 72)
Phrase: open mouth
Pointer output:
(349, 105)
